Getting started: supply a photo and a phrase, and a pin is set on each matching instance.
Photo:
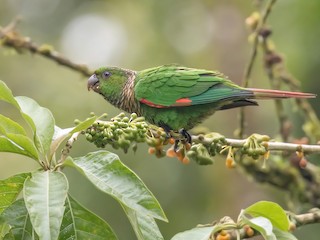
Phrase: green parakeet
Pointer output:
(176, 97)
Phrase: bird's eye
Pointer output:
(106, 74)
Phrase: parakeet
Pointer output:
(176, 97)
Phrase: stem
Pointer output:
(253, 56)
(10, 38)
(271, 146)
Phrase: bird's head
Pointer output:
(105, 79)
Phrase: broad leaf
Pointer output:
(9, 126)
(41, 121)
(79, 223)
(10, 189)
(6, 95)
(145, 227)
(16, 215)
(262, 225)
(4, 229)
(272, 211)
(282, 235)
(9, 236)
(45, 194)
(199, 233)
(105, 170)
(61, 134)
(20, 144)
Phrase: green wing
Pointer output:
(174, 86)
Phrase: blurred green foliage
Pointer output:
(145, 33)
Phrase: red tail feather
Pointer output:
(269, 93)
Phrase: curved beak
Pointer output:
(93, 83)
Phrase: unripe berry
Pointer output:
(171, 141)
(125, 119)
(151, 150)
(230, 163)
(249, 232)
(185, 160)
(187, 146)
(171, 153)
(88, 137)
(160, 153)
(292, 227)
(180, 154)
(133, 116)
(299, 154)
(223, 236)
(77, 121)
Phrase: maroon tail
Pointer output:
(269, 93)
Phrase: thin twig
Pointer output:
(271, 146)
(253, 56)
(10, 38)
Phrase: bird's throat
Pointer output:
(127, 101)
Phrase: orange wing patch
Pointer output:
(182, 102)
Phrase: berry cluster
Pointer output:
(206, 148)
(255, 146)
(121, 132)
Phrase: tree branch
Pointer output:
(290, 171)
(296, 221)
(10, 38)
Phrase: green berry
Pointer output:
(133, 116)
(89, 137)
(125, 119)
(77, 121)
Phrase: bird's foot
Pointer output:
(167, 129)
(184, 138)
(186, 135)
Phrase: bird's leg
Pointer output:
(169, 134)
(186, 135)
(167, 129)
(182, 133)
(176, 145)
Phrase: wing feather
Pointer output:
(175, 86)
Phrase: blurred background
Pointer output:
(146, 33)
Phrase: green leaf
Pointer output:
(6, 95)
(199, 233)
(9, 236)
(9, 126)
(61, 134)
(4, 229)
(45, 194)
(16, 215)
(272, 211)
(144, 226)
(20, 144)
(282, 235)
(41, 121)
(10, 189)
(105, 170)
(80, 223)
(262, 225)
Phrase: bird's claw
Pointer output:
(186, 135)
